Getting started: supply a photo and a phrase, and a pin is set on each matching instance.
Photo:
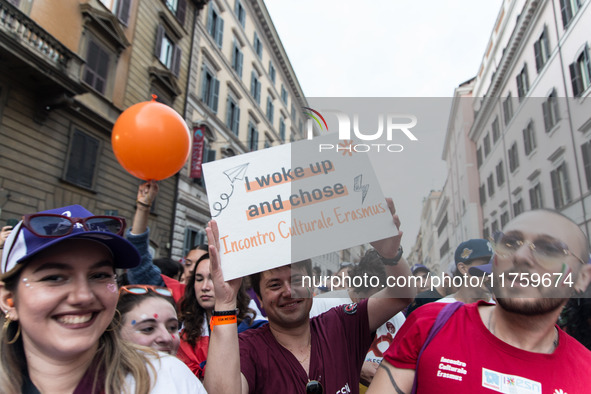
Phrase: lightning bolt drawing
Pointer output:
(358, 186)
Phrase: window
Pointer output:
(283, 95)
(233, 115)
(580, 73)
(494, 226)
(485, 233)
(120, 8)
(529, 139)
(253, 137)
(178, 8)
(237, 58)
(491, 185)
(293, 112)
(240, 12)
(442, 225)
(486, 145)
(270, 109)
(271, 71)
(282, 128)
(479, 157)
(215, 25)
(560, 186)
(496, 132)
(210, 89)
(258, 45)
(504, 218)
(500, 174)
(513, 157)
(586, 150)
(96, 69)
(267, 144)
(82, 159)
(551, 111)
(518, 207)
(508, 109)
(193, 238)
(482, 193)
(167, 51)
(522, 83)
(568, 9)
(542, 50)
(535, 197)
(255, 87)
(444, 248)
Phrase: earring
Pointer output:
(5, 327)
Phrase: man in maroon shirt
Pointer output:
(293, 353)
(514, 346)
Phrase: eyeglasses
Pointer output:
(47, 225)
(546, 252)
(314, 387)
(144, 289)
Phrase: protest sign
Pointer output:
(292, 202)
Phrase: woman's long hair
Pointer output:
(192, 314)
(114, 359)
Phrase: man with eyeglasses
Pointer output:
(293, 353)
(515, 346)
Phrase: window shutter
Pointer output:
(176, 61)
(566, 12)
(91, 63)
(240, 59)
(215, 95)
(249, 137)
(546, 112)
(220, 32)
(123, 11)
(159, 37)
(210, 20)
(258, 89)
(252, 84)
(102, 71)
(538, 53)
(556, 189)
(181, 10)
(204, 73)
(236, 121)
(587, 162)
(566, 184)
(576, 80)
(234, 55)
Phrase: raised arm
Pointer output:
(222, 374)
(139, 235)
(391, 300)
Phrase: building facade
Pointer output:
(68, 69)
(243, 96)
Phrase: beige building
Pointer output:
(243, 96)
(68, 70)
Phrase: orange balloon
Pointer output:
(151, 141)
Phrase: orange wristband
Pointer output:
(221, 320)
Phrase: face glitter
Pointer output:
(133, 322)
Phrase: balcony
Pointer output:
(32, 55)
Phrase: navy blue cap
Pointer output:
(417, 267)
(472, 249)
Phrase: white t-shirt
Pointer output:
(384, 334)
(172, 376)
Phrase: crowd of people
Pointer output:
(71, 324)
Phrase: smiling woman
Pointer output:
(58, 294)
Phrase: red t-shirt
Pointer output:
(464, 357)
(340, 340)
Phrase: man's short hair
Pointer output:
(255, 279)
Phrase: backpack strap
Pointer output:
(442, 318)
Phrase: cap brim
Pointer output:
(125, 255)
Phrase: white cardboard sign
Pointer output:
(291, 202)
